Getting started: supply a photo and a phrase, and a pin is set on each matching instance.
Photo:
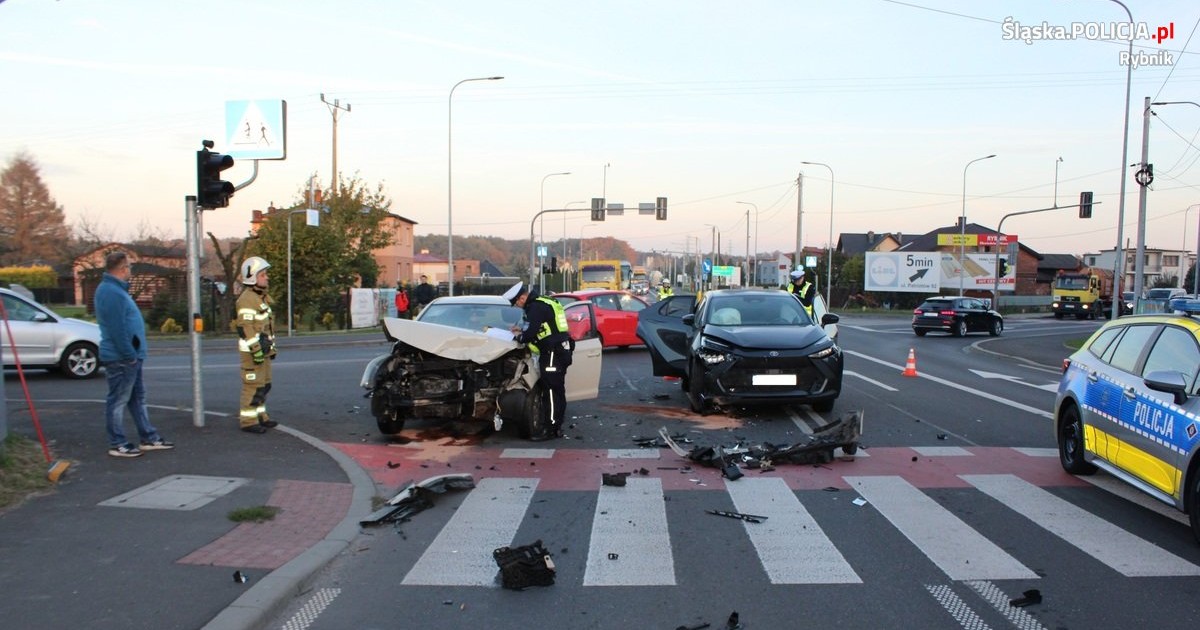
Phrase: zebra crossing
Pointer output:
(630, 542)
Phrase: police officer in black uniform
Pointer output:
(546, 331)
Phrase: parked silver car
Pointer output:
(47, 340)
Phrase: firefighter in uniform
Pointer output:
(256, 345)
(547, 335)
(802, 289)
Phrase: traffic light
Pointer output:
(1003, 267)
(554, 264)
(660, 209)
(1085, 204)
(597, 208)
(211, 190)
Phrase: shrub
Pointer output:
(169, 326)
(327, 321)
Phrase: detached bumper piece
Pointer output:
(843, 432)
(417, 497)
(522, 567)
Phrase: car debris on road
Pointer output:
(842, 433)
(417, 497)
(521, 567)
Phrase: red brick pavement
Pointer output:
(308, 510)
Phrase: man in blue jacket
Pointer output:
(122, 351)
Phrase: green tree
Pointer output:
(329, 259)
(32, 225)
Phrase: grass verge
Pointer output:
(256, 514)
(22, 470)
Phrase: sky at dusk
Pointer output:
(707, 103)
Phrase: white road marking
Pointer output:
(1048, 387)
(488, 518)
(628, 381)
(634, 453)
(312, 609)
(219, 414)
(942, 381)
(957, 608)
(1133, 495)
(1036, 452)
(790, 544)
(871, 381)
(527, 453)
(1124, 552)
(957, 549)
(994, 596)
(942, 451)
(630, 522)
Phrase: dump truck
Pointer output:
(1085, 293)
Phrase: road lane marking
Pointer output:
(969, 390)
(1029, 451)
(994, 596)
(219, 414)
(957, 608)
(1124, 552)
(958, 550)
(308, 613)
(634, 453)
(1121, 489)
(628, 381)
(941, 451)
(527, 453)
(1047, 387)
(871, 381)
(630, 522)
(790, 544)
(488, 519)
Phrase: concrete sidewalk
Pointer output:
(146, 542)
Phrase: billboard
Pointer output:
(933, 272)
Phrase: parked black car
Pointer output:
(957, 316)
(743, 346)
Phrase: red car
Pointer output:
(616, 315)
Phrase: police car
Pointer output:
(1129, 403)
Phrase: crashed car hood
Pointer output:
(448, 342)
(768, 337)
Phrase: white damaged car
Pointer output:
(457, 361)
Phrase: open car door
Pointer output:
(583, 377)
(666, 337)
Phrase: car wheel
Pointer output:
(997, 328)
(919, 332)
(80, 360)
(1058, 316)
(684, 383)
(696, 392)
(849, 449)
(960, 328)
(531, 424)
(390, 423)
(1070, 442)
(824, 406)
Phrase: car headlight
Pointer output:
(1054, 305)
(821, 354)
(711, 352)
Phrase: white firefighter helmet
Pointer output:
(250, 268)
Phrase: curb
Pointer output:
(271, 593)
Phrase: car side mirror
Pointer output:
(689, 319)
(829, 318)
(1168, 381)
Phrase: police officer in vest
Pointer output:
(802, 289)
(546, 332)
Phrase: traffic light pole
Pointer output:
(999, 233)
(533, 243)
(192, 222)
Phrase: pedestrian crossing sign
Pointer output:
(256, 130)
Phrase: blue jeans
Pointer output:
(125, 389)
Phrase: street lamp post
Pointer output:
(829, 245)
(754, 275)
(450, 175)
(542, 226)
(712, 248)
(962, 238)
(1056, 163)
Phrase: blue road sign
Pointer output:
(707, 266)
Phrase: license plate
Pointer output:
(773, 379)
(930, 315)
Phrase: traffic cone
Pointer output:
(910, 367)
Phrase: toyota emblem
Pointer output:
(773, 353)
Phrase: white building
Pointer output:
(1157, 263)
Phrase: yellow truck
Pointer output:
(1085, 293)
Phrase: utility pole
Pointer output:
(799, 220)
(1144, 177)
(334, 107)
(746, 278)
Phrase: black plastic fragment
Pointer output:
(1032, 596)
